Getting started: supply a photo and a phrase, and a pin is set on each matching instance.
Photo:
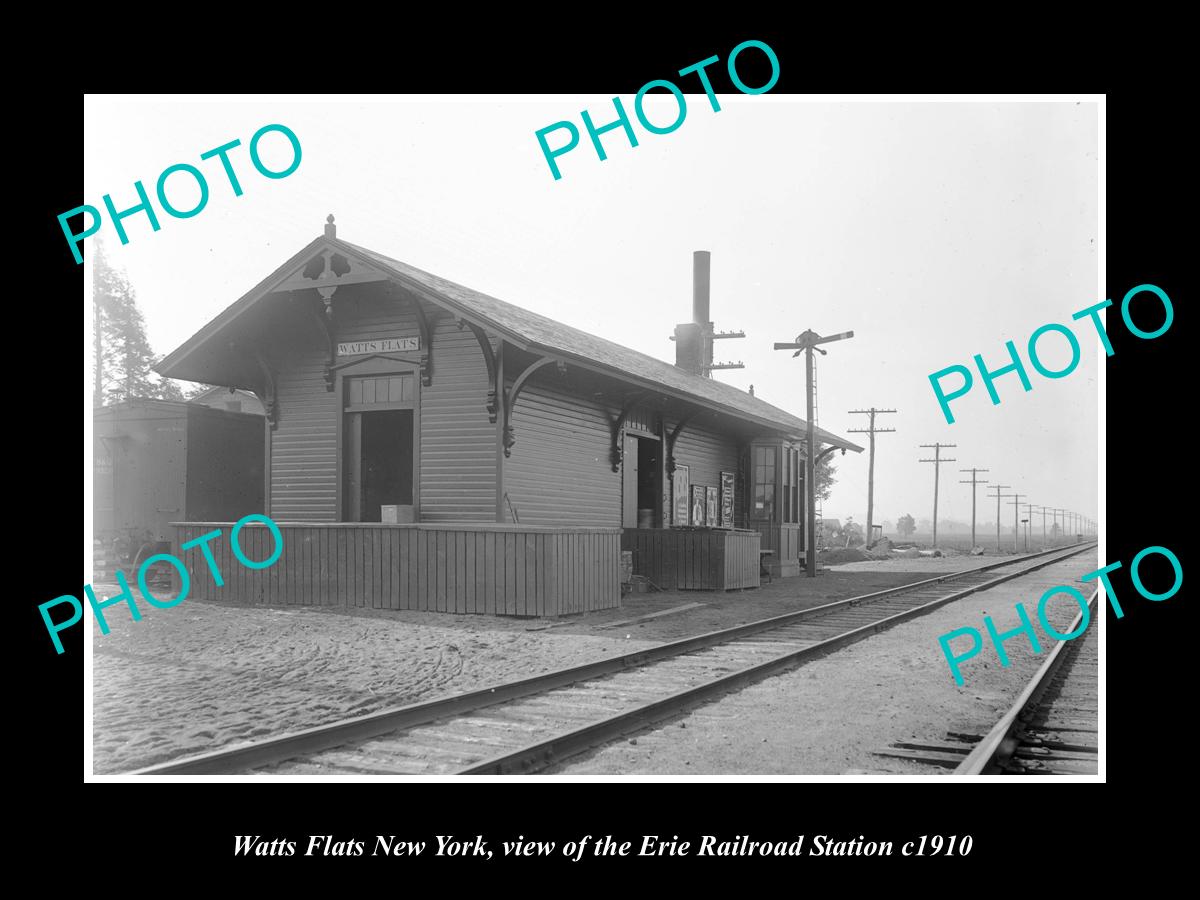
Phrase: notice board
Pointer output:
(699, 502)
(679, 495)
(726, 500)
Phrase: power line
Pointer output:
(872, 431)
(806, 343)
(973, 482)
(937, 466)
(997, 488)
(1043, 510)
(1016, 505)
(1056, 510)
(1028, 523)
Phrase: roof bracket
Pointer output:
(489, 359)
(511, 395)
(671, 438)
(426, 343)
(267, 396)
(824, 453)
(616, 453)
(326, 324)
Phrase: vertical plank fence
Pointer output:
(483, 569)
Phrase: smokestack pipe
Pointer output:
(700, 279)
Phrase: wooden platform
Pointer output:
(695, 559)
(786, 546)
(488, 569)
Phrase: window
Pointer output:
(791, 486)
(778, 478)
(764, 483)
(376, 390)
(788, 478)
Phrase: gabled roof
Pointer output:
(534, 332)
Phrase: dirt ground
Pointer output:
(203, 675)
(828, 716)
(206, 674)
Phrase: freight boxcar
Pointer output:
(162, 461)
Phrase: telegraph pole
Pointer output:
(1028, 523)
(997, 488)
(872, 431)
(1056, 511)
(1016, 505)
(1044, 508)
(807, 342)
(937, 465)
(973, 482)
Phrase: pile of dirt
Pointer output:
(881, 549)
(841, 555)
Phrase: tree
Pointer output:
(825, 475)
(852, 534)
(905, 525)
(122, 357)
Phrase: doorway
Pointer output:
(379, 430)
(381, 466)
(642, 482)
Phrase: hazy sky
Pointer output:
(934, 231)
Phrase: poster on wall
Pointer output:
(710, 505)
(698, 504)
(679, 495)
(726, 500)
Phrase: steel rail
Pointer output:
(999, 744)
(361, 728)
(541, 754)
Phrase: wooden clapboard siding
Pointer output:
(486, 569)
(706, 453)
(560, 472)
(458, 443)
(683, 559)
(304, 443)
(456, 480)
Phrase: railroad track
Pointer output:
(524, 726)
(1051, 729)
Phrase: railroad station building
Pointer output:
(428, 446)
